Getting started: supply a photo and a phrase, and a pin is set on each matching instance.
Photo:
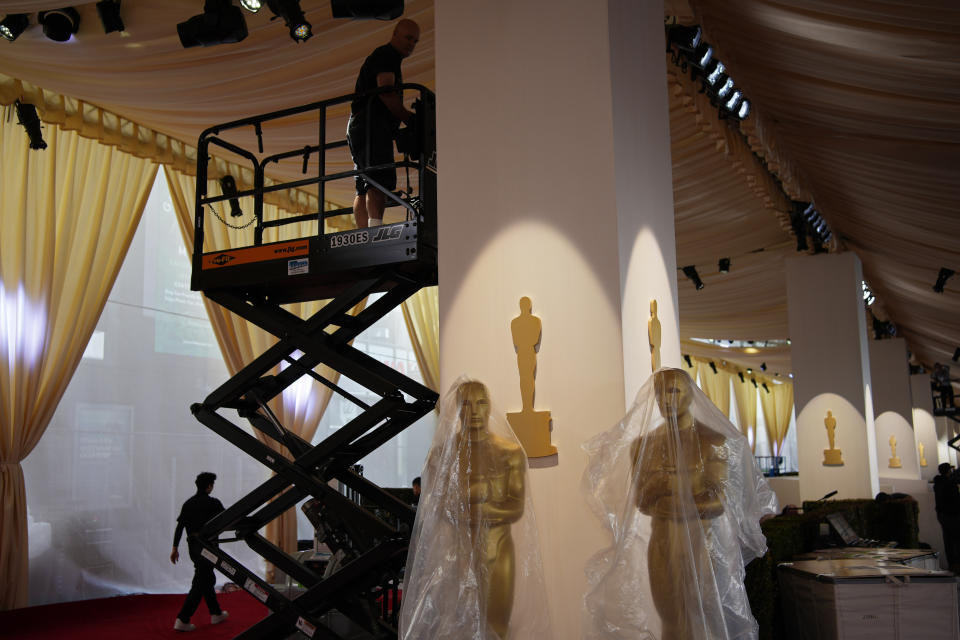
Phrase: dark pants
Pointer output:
(202, 587)
(950, 524)
(378, 141)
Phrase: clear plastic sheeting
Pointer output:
(678, 487)
(474, 569)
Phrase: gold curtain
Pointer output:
(777, 408)
(67, 216)
(421, 314)
(716, 386)
(745, 395)
(302, 405)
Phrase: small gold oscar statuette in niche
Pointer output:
(923, 461)
(832, 457)
(894, 460)
(532, 427)
(653, 336)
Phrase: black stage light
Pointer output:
(367, 9)
(749, 371)
(799, 224)
(713, 367)
(229, 188)
(289, 10)
(765, 387)
(683, 38)
(251, 5)
(13, 25)
(724, 265)
(956, 355)
(59, 24)
(109, 12)
(942, 278)
(220, 23)
(740, 373)
(27, 115)
(688, 361)
(754, 381)
(702, 56)
(763, 366)
(691, 272)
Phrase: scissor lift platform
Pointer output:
(254, 280)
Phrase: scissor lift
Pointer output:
(254, 281)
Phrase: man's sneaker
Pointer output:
(180, 625)
(217, 619)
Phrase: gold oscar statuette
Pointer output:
(653, 336)
(923, 461)
(668, 464)
(532, 427)
(832, 457)
(894, 459)
(493, 469)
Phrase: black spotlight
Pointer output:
(220, 23)
(754, 381)
(13, 25)
(763, 366)
(59, 24)
(749, 371)
(289, 10)
(683, 38)
(956, 355)
(109, 12)
(691, 272)
(740, 374)
(229, 188)
(367, 9)
(713, 367)
(724, 265)
(765, 387)
(942, 278)
(690, 362)
(27, 115)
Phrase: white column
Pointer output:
(830, 358)
(924, 427)
(893, 410)
(555, 184)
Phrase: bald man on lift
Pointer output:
(383, 113)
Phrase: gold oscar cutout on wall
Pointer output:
(894, 459)
(532, 427)
(832, 457)
(653, 336)
(923, 461)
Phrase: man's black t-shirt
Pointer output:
(947, 495)
(195, 513)
(384, 59)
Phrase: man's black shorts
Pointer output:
(381, 150)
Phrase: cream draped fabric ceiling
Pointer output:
(855, 108)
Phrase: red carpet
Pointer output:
(129, 617)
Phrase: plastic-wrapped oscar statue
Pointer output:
(473, 571)
(678, 485)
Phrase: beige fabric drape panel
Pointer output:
(302, 405)
(421, 314)
(716, 386)
(777, 408)
(67, 216)
(745, 395)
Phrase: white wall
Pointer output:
(924, 427)
(831, 372)
(557, 188)
(893, 408)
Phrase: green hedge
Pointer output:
(790, 535)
